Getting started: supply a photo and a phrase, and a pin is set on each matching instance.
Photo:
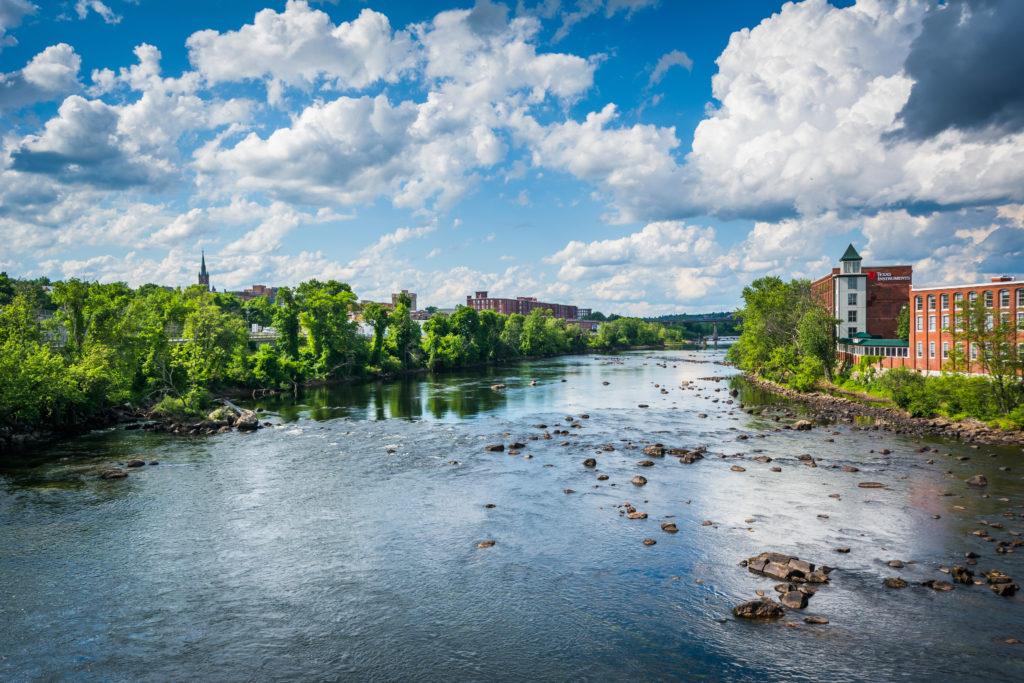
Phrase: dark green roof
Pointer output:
(874, 342)
(851, 254)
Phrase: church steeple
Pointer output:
(204, 277)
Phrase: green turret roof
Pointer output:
(851, 254)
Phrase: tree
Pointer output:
(259, 311)
(286, 321)
(378, 318)
(987, 340)
(771, 315)
(903, 323)
(404, 332)
(816, 337)
(325, 315)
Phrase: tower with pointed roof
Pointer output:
(204, 277)
(851, 295)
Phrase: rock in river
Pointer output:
(638, 480)
(495, 447)
(895, 582)
(485, 544)
(590, 462)
(871, 485)
(765, 608)
(794, 599)
(669, 528)
(113, 474)
(977, 480)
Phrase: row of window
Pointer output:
(959, 346)
(989, 319)
(1004, 299)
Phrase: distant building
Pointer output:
(258, 290)
(521, 304)
(204, 277)
(411, 295)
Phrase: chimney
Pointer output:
(1003, 278)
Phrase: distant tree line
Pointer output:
(72, 353)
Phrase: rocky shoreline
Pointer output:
(887, 418)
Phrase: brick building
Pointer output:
(866, 299)
(258, 290)
(521, 304)
(933, 316)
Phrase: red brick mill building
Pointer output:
(867, 301)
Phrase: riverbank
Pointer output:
(144, 417)
(890, 418)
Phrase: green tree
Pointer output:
(987, 340)
(286, 321)
(378, 317)
(259, 311)
(903, 323)
(404, 333)
(771, 315)
(816, 337)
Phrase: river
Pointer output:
(341, 544)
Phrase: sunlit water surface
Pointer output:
(342, 543)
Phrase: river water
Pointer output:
(342, 543)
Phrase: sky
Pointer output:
(641, 157)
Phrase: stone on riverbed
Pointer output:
(638, 480)
(655, 451)
(785, 567)
(590, 462)
(495, 447)
(977, 480)
(113, 474)
(135, 463)
(895, 582)
(962, 574)
(670, 528)
(802, 425)
(794, 599)
(646, 463)
(815, 620)
(871, 485)
(765, 608)
(485, 544)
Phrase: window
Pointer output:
(852, 283)
(931, 349)
(920, 347)
(931, 302)
(945, 321)
(1020, 318)
(931, 323)
(974, 351)
(851, 316)
(988, 298)
(918, 303)
(919, 324)
(1004, 319)
(850, 331)
(945, 350)
(1004, 298)
(851, 299)
(958, 297)
(988, 321)
(944, 301)
(972, 296)
(1020, 298)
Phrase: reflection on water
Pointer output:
(342, 544)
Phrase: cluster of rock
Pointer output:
(219, 421)
(799, 576)
(686, 456)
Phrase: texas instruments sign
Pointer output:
(882, 276)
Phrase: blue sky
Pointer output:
(635, 156)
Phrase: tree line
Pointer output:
(789, 337)
(73, 352)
